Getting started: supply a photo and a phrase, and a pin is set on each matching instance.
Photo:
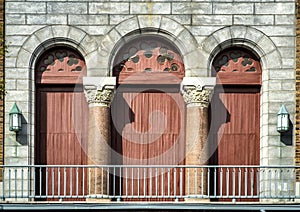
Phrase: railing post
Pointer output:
(99, 92)
(196, 93)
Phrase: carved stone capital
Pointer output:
(196, 97)
(99, 91)
(197, 91)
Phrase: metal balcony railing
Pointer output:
(130, 182)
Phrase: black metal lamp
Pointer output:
(283, 120)
(15, 119)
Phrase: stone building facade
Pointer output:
(199, 29)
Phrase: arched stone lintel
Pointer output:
(243, 36)
(51, 36)
(153, 24)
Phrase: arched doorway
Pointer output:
(148, 116)
(235, 122)
(61, 123)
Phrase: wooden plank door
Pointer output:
(152, 135)
(235, 127)
(61, 139)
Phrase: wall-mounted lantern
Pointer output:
(283, 120)
(15, 119)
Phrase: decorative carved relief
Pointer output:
(235, 66)
(149, 56)
(60, 65)
(102, 97)
(236, 60)
(192, 95)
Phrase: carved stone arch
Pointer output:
(154, 24)
(50, 36)
(241, 36)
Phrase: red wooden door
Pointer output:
(235, 131)
(152, 135)
(61, 138)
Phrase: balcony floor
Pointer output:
(150, 206)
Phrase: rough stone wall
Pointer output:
(1, 81)
(297, 131)
(206, 26)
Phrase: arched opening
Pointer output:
(61, 123)
(235, 120)
(148, 114)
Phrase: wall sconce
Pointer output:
(15, 119)
(283, 120)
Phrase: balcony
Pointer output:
(116, 185)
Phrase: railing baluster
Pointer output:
(77, 182)
(162, 182)
(175, 180)
(114, 181)
(53, 177)
(46, 192)
(233, 182)
(9, 182)
(208, 182)
(40, 181)
(156, 182)
(221, 181)
(150, 178)
(83, 181)
(95, 180)
(276, 183)
(120, 181)
(264, 182)
(215, 181)
(16, 195)
(257, 182)
(71, 181)
(270, 185)
(240, 182)
(227, 182)
(102, 181)
(144, 181)
(289, 183)
(126, 184)
(188, 182)
(246, 181)
(58, 182)
(22, 182)
(196, 180)
(180, 182)
(108, 179)
(132, 176)
(252, 182)
(138, 184)
(65, 182)
(202, 182)
(169, 182)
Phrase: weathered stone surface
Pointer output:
(150, 8)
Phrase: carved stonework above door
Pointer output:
(237, 66)
(149, 60)
(60, 65)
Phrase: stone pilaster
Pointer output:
(99, 94)
(196, 93)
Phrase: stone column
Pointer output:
(99, 93)
(196, 93)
